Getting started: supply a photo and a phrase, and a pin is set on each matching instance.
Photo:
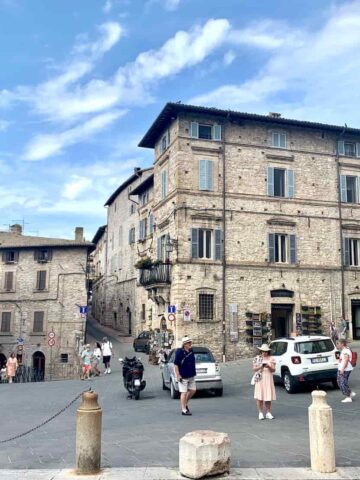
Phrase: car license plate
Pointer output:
(319, 360)
(137, 382)
(201, 370)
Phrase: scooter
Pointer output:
(133, 371)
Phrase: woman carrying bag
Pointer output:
(264, 367)
(11, 367)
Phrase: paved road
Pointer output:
(146, 433)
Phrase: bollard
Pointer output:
(88, 434)
(322, 447)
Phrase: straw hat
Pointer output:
(264, 348)
(185, 340)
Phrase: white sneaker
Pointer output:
(347, 400)
(269, 416)
(105, 372)
(261, 416)
(109, 370)
(352, 394)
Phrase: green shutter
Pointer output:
(194, 242)
(218, 245)
(343, 193)
(341, 147)
(194, 130)
(346, 251)
(271, 247)
(202, 175)
(217, 132)
(270, 181)
(292, 241)
(290, 183)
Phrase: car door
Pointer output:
(142, 340)
(168, 366)
(277, 351)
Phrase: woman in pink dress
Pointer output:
(11, 367)
(264, 367)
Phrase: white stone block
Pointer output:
(204, 453)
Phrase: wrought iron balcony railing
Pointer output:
(156, 274)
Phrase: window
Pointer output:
(143, 229)
(144, 198)
(5, 322)
(348, 149)
(206, 175)
(204, 357)
(162, 252)
(38, 322)
(279, 140)
(206, 306)
(205, 132)
(163, 184)
(42, 255)
(282, 248)
(151, 224)
(9, 281)
(41, 280)
(206, 244)
(132, 208)
(10, 256)
(349, 187)
(278, 348)
(164, 142)
(143, 312)
(351, 252)
(315, 346)
(131, 236)
(64, 358)
(280, 182)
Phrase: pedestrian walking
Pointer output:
(86, 357)
(333, 331)
(343, 329)
(344, 370)
(106, 348)
(185, 373)
(264, 367)
(11, 367)
(96, 358)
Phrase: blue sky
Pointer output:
(82, 80)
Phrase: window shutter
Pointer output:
(41, 280)
(343, 188)
(290, 183)
(271, 247)
(341, 147)
(36, 255)
(194, 243)
(270, 181)
(159, 248)
(282, 138)
(218, 245)
(130, 236)
(9, 280)
(49, 253)
(210, 175)
(151, 223)
(163, 184)
(202, 174)
(217, 132)
(16, 257)
(168, 138)
(292, 242)
(346, 251)
(358, 150)
(4, 257)
(141, 225)
(194, 130)
(38, 322)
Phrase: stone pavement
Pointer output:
(346, 473)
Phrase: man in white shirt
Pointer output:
(106, 348)
(344, 370)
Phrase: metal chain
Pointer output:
(46, 421)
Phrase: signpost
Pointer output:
(83, 310)
(171, 309)
(51, 342)
(187, 315)
(171, 317)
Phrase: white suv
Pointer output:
(311, 359)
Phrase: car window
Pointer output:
(315, 346)
(274, 348)
(172, 356)
(204, 357)
(141, 335)
(146, 335)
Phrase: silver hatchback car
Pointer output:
(208, 376)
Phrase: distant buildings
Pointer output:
(43, 285)
(252, 228)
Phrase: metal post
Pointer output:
(88, 435)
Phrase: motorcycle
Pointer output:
(133, 371)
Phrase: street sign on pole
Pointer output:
(51, 342)
(187, 315)
(51, 335)
(171, 317)
(20, 341)
(83, 310)
(171, 309)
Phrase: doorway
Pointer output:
(2, 360)
(129, 318)
(281, 320)
(355, 318)
(38, 361)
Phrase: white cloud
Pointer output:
(107, 6)
(44, 146)
(229, 57)
(76, 187)
(110, 34)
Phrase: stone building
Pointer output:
(116, 301)
(256, 222)
(43, 285)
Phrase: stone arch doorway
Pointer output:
(38, 362)
(2, 360)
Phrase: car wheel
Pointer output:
(219, 392)
(164, 387)
(174, 394)
(335, 384)
(289, 382)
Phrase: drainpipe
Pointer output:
(340, 225)
(224, 243)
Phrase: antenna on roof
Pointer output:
(21, 222)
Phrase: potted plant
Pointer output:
(144, 263)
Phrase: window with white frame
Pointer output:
(5, 322)
(205, 131)
(348, 148)
(349, 187)
(206, 305)
(280, 182)
(279, 140)
(281, 248)
(206, 244)
(351, 252)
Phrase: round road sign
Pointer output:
(171, 317)
(51, 342)
(51, 335)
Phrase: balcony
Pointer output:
(155, 275)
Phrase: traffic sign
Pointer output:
(20, 341)
(171, 309)
(171, 317)
(51, 335)
(83, 310)
(187, 315)
(51, 342)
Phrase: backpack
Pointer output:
(354, 357)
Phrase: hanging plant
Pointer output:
(144, 263)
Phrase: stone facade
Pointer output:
(280, 247)
(43, 283)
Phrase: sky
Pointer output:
(81, 81)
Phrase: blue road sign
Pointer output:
(171, 309)
(20, 341)
(83, 310)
